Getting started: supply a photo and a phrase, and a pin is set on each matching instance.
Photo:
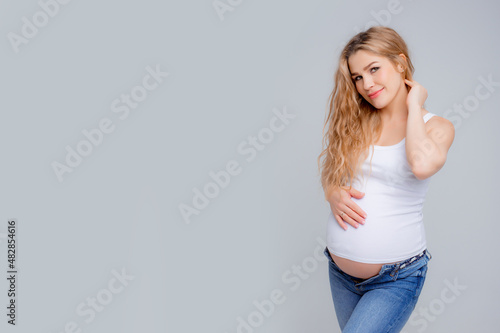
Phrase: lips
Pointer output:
(375, 94)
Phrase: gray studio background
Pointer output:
(259, 239)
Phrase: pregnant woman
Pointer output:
(382, 147)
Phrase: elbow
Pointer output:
(427, 170)
(421, 175)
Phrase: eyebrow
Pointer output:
(364, 68)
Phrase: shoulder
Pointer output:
(440, 130)
(437, 122)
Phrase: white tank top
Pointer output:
(393, 201)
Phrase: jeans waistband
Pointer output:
(407, 262)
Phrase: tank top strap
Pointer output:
(428, 116)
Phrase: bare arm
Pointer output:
(427, 144)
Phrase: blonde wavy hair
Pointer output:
(353, 123)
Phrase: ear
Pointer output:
(400, 68)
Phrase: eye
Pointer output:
(373, 69)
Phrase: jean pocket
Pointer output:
(421, 279)
(413, 280)
(420, 271)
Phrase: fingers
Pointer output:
(341, 222)
(361, 214)
(351, 217)
(411, 83)
(357, 194)
(357, 213)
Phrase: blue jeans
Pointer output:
(382, 303)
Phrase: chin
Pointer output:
(377, 106)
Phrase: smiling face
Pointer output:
(376, 78)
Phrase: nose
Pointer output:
(367, 83)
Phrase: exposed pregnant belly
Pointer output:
(357, 269)
(384, 235)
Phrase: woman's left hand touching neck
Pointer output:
(417, 94)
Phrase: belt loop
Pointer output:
(395, 270)
(429, 255)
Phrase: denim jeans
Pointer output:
(382, 303)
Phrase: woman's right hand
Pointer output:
(340, 201)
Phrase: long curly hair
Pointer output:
(353, 123)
